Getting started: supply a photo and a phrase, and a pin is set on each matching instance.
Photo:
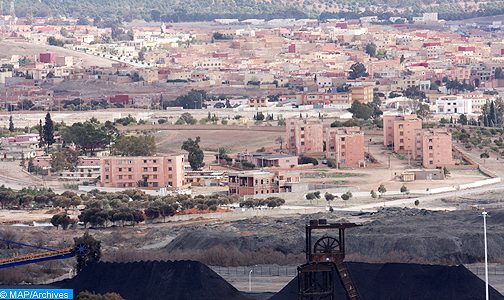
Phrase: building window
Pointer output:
(154, 169)
(130, 177)
(155, 184)
(154, 176)
(129, 169)
(120, 169)
(145, 161)
(106, 177)
(430, 147)
(170, 168)
(145, 169)
(120, 176)
(154, 161)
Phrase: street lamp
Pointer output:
(484, 213)
(250, 279)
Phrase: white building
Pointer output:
(454, 105)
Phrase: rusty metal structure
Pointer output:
(325, 260)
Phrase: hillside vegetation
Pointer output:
(200, 10)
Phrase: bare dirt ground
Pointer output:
(9, 48)
(170, 141)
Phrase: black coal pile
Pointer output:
(177, 280)
(405, 281)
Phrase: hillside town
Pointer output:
(202, 140)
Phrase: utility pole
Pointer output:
(484, 213)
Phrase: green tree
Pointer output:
(134, 146)
(402, 59)
(423, 111)
(462, 119)
(329, 197)
(62, 220)
(92, 253)
(88, 136)
(382, 190)
(371, 49)
(64, 159)
(404, 189)
(373, 194)
(498, 73)
(11, 124)
(357, 70)
(55, 42)
(361, 111)
(48, 131)
(346, 196)
(195, 155)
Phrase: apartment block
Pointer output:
(304, 137)
(260, 183)
(399, 132)
(342, 99)
(345, 145)
(148, 172)
(434, 148)
(363, 94)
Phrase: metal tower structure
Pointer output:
(325, 261)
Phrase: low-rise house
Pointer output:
(454, 105)
(259, 183)
(269, 160)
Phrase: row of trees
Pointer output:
(270, 202)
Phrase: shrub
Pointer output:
(303, 160)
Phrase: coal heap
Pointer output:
(177, 280)
(405, 281)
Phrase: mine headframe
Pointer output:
(324, 261)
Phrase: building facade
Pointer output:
(148, 172)
(259, 183)
(304, 138)
(345, 145)
(399, 132)
(434, 147)
(454, 105)
(363, 94)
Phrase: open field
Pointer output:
(9, 48)
(170, 141)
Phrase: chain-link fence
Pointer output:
(257, 271)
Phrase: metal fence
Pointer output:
(492, 269)
(257, 271)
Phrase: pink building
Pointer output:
(270, 160)
(399, 131)
(345, 145)
(43, 162)
(304, 137)
(121, 99)
(434, 148)
(151, 172)
(260, 183)
(48, 57)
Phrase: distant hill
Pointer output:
(201, 10)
